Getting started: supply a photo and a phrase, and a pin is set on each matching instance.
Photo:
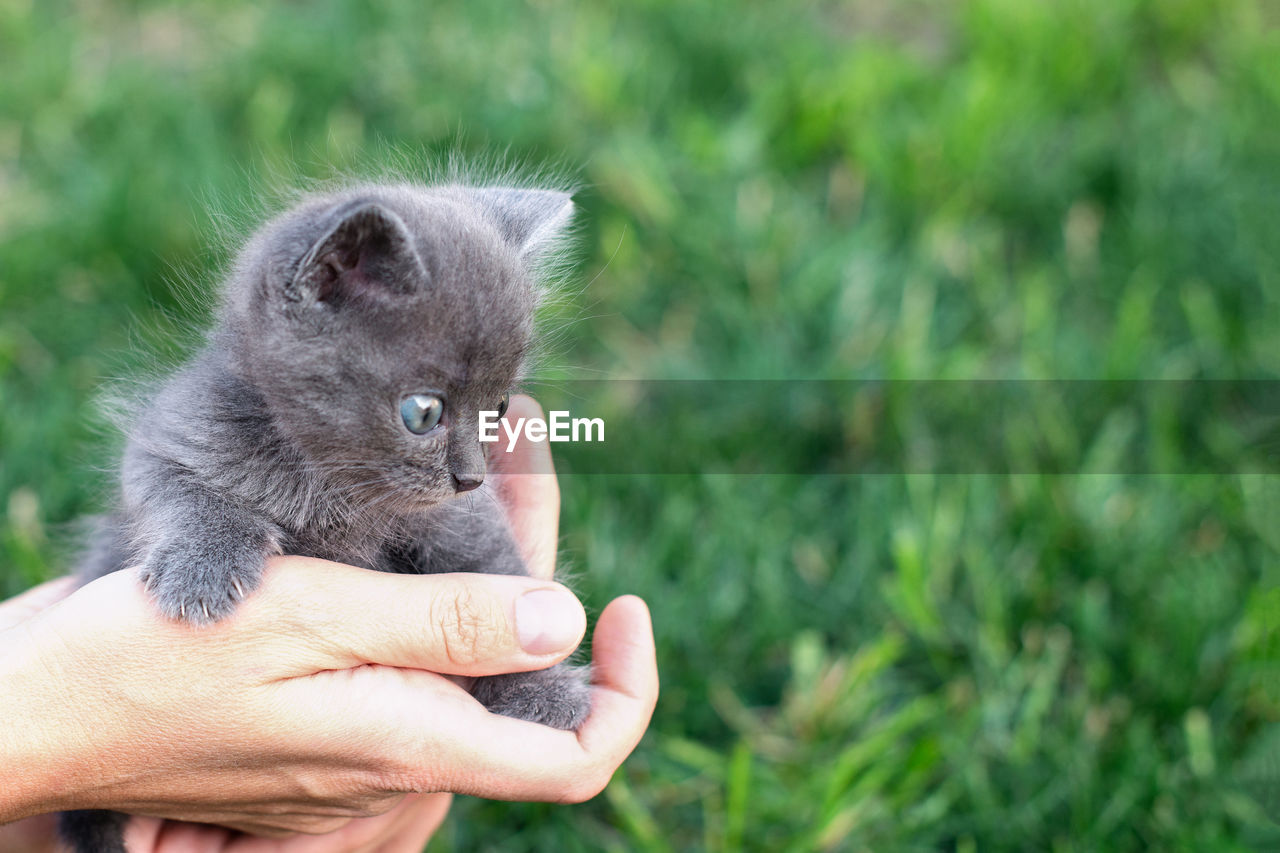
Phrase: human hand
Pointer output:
(290, 716)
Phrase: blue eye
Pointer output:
(421, 412)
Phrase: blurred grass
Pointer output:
(914, 190)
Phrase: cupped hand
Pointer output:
(321, 702)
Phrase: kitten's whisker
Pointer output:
(488, 495)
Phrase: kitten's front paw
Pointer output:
(199, 584)
(559, 697)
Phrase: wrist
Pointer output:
(39, 763)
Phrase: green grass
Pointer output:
(994, 189)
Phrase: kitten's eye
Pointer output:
(421, 412)
(502, 404)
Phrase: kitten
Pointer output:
(333, 413)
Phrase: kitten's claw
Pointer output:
(145, 576)
(228, 574)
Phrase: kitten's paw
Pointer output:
(559, 697)
(199, 584)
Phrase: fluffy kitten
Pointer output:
(333, 414)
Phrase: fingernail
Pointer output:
(548, 620)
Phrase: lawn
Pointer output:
(981, 305)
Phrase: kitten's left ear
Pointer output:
(367, 252)
(532, 221)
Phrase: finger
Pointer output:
(179, 837)
(526, 484)
(154, 835)
(458, 624)
(422, 818)
(404, 829)
(624, 678)
(500, 758)
(24, 606)
(140, 833)
(37, 834)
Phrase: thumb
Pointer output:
(31, 602)
(455, 624)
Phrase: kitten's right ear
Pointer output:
(368, 253)
(531, 221)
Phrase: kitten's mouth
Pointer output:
(407, 488)
(418, 484)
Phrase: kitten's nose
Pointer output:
(466, 483)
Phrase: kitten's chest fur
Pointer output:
(331, 510)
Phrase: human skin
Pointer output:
(323, 705)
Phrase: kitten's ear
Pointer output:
(369, 252)
(532, 221)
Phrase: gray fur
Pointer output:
(283, 434)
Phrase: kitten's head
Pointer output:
(378, 322)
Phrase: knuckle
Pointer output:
(397, 777)
(468, 626)
(373, 806)
(416, 776)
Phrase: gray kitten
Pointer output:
(333, 414)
